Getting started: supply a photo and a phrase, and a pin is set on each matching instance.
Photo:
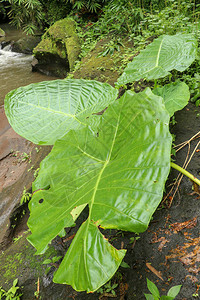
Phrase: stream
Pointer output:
(15, 68)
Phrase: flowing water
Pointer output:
(15, 68)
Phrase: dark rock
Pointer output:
(26, 44)
(5, 43)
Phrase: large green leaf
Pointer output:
(161, 56)
(43, 112)
(176, 96)
(119, 173)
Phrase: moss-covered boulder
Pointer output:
(19, 261)
(58, 49)
(2, 33)
(26, 44)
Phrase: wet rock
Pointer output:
(4, 44)
(58, 49)
(2, 33)
(19, 261)
(26, 44)
(19, 159)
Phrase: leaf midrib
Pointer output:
(158, 55)
(54, 111)
(94, 194)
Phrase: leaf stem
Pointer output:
(186, 173)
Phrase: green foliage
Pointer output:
(115, 163)
(177, 16)
(111, 47)
(120, 17)
(2, 11)
(55, 10)
(176, 96)
(155, 295)
(84, 167)
(61, 106)
(192, 77)
(25, 14)
(12, 293)
(161, 56)
(51, 262)
(87, 5)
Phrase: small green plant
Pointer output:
(108, 288)
(155, 295)
(12, 293)
(36, 172)
(21, 157)
(37, 292)
(26, 196)
(134, 239)
(124, 265)
(111, 47)
(51, 262)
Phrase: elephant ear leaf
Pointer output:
(160, 57)
(44, 112)
(119, 174)
(176, 96)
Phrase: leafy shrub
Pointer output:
(26, 14)
(116, 164)
(55, 10)
(87, 5)
(177, 17)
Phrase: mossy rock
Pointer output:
(2, 33)
(58, 49)
(19, 261)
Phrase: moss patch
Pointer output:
(103, 68)
(19, 261)
(62, 29)
(2, 33)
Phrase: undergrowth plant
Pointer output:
(113, 164)
(12, 293)
(155, 294)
